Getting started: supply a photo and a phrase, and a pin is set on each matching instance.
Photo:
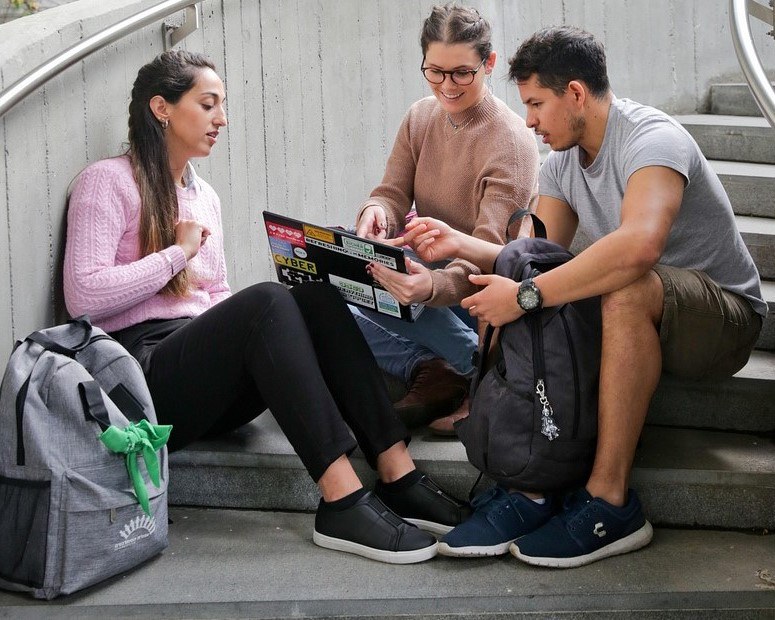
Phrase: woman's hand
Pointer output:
(496, 303)
(408, 288)
(372, 224)
(432, 239)
(190, 235)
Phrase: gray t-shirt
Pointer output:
(704, 235)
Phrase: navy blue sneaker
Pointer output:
(499, 518)
(588, 529)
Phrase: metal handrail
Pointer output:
(749, 60)
(53, 67)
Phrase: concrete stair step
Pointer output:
(733, 99)
(252, 564)
(686, 477)
(759, 236)
(743, 403)
(732, 138)
(750, 187)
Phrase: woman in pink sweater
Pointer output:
(144, 257)
(464, 157)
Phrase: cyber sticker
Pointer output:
(295, 263)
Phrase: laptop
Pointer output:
(304, 252)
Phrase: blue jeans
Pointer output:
(400, 345)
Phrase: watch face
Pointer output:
(528, 299)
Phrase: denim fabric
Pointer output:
(400, 345)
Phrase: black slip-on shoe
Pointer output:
(371, 529)
(426, 505)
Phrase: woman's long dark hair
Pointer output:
(169, 75)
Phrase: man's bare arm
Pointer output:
(650, 205)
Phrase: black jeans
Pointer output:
(297, 352)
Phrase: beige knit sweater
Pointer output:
(472, 177)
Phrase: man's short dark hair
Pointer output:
(559, 55)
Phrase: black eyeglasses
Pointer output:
(461, 77)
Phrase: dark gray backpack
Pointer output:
(75, 413)
(533, 419)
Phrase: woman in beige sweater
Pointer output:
(464, 157)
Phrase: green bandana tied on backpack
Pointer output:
(141, 437)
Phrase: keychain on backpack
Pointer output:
(548, 427)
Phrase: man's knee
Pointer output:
(643, 297)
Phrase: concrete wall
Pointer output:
(316, 90)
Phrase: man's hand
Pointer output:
(432, 239)
(372, 224)
(408, 288)
(496, 303)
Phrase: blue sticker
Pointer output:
(281, 247)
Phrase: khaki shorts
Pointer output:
(706, 331)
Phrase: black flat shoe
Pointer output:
(425, 505)
(371, 529)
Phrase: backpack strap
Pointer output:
(143, 438)
(50, 344)
(47, 344)
(21, 398)
(481, 365)
(93, 405)
(539, 228)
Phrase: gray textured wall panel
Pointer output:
(316, 91)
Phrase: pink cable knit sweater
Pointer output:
(104, 274)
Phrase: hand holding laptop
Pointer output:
(414, 286)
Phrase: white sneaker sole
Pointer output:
(634, 541)
(437, 529)
(474, 552)
(380, 555)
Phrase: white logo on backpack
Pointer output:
(143, 522)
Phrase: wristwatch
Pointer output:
(529, 296)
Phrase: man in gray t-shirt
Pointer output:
(680, 292)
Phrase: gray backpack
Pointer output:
(533, 419)
(75, 414)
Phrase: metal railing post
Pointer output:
(742, 39)
(175, 34)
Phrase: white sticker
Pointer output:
(352, 291)
(386, 303)
(300, 252)
(358, 248)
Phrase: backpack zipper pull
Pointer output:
(548, 427)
